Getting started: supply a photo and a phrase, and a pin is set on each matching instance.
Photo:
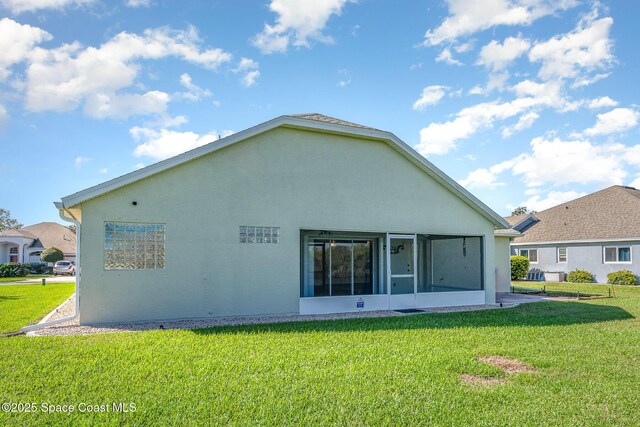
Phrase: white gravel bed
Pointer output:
(74, 328)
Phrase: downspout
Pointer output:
(69, 218)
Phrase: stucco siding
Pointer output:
(503, 264)
(585, 256)
(292, 179)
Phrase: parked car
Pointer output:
(64, 267)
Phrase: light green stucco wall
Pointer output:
(291, 179)
(503, 264)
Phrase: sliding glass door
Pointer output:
(338, 267)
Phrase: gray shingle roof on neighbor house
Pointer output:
(326, 119)
(612, 213)
(21, 232)
(52, 234)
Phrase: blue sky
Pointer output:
(524, 102)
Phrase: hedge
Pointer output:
(519, 267)
(580, 276)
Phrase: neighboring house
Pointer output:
(599, 233)
(25, 245)
(301, 214)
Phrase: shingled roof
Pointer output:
(326, 119)
(612, 213)
(52, 234)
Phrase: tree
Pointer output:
(6, 222)
(51, 255)
(521, 210)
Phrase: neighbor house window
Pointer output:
(562, 254)
(531, 254)
(259, 234)
(617, 254)
(133, 246)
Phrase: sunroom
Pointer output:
(350, 271)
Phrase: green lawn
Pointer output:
(389, 371)
(21, 305)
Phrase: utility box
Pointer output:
(555, 276)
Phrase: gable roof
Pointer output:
(313, 122)
(20, 232)
(52, 234)
(609, 214)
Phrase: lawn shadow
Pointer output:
(532, 314)
(9, 297)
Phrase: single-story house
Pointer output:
(25, 244)
(599, 233)
(298, 215)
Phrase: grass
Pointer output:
(385, 371)
(30, 276)
(21, 305)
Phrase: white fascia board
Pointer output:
(291, 122)
(507, 233)
(568, 242)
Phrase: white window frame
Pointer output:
(617, 261)
(566, 255)
(527, 255)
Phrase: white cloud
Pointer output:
(249, 70)
(602, 102)
(562, 162)
(569, 56)
(614, 121)
(4, 116)
(447, 57)
(79, 161)
(103, 105)
(469, 16)
(486, 178)
(19, 6)
(103, 171)
(557, 162)
(496, 56)
(431, 95)
(63, 78)
(297, 23)
(162, 144)
(137, 3)
(194, 92)
(440, 138)
(16, 42)
(524, 122)
(554, 198)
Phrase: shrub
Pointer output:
(622, 277)
(51, 254)
(38, 268)
(519, 267)
(14, 269)
(580, 276)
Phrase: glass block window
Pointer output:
(259, 234)
(133, 246)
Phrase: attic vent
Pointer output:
(628, 187)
